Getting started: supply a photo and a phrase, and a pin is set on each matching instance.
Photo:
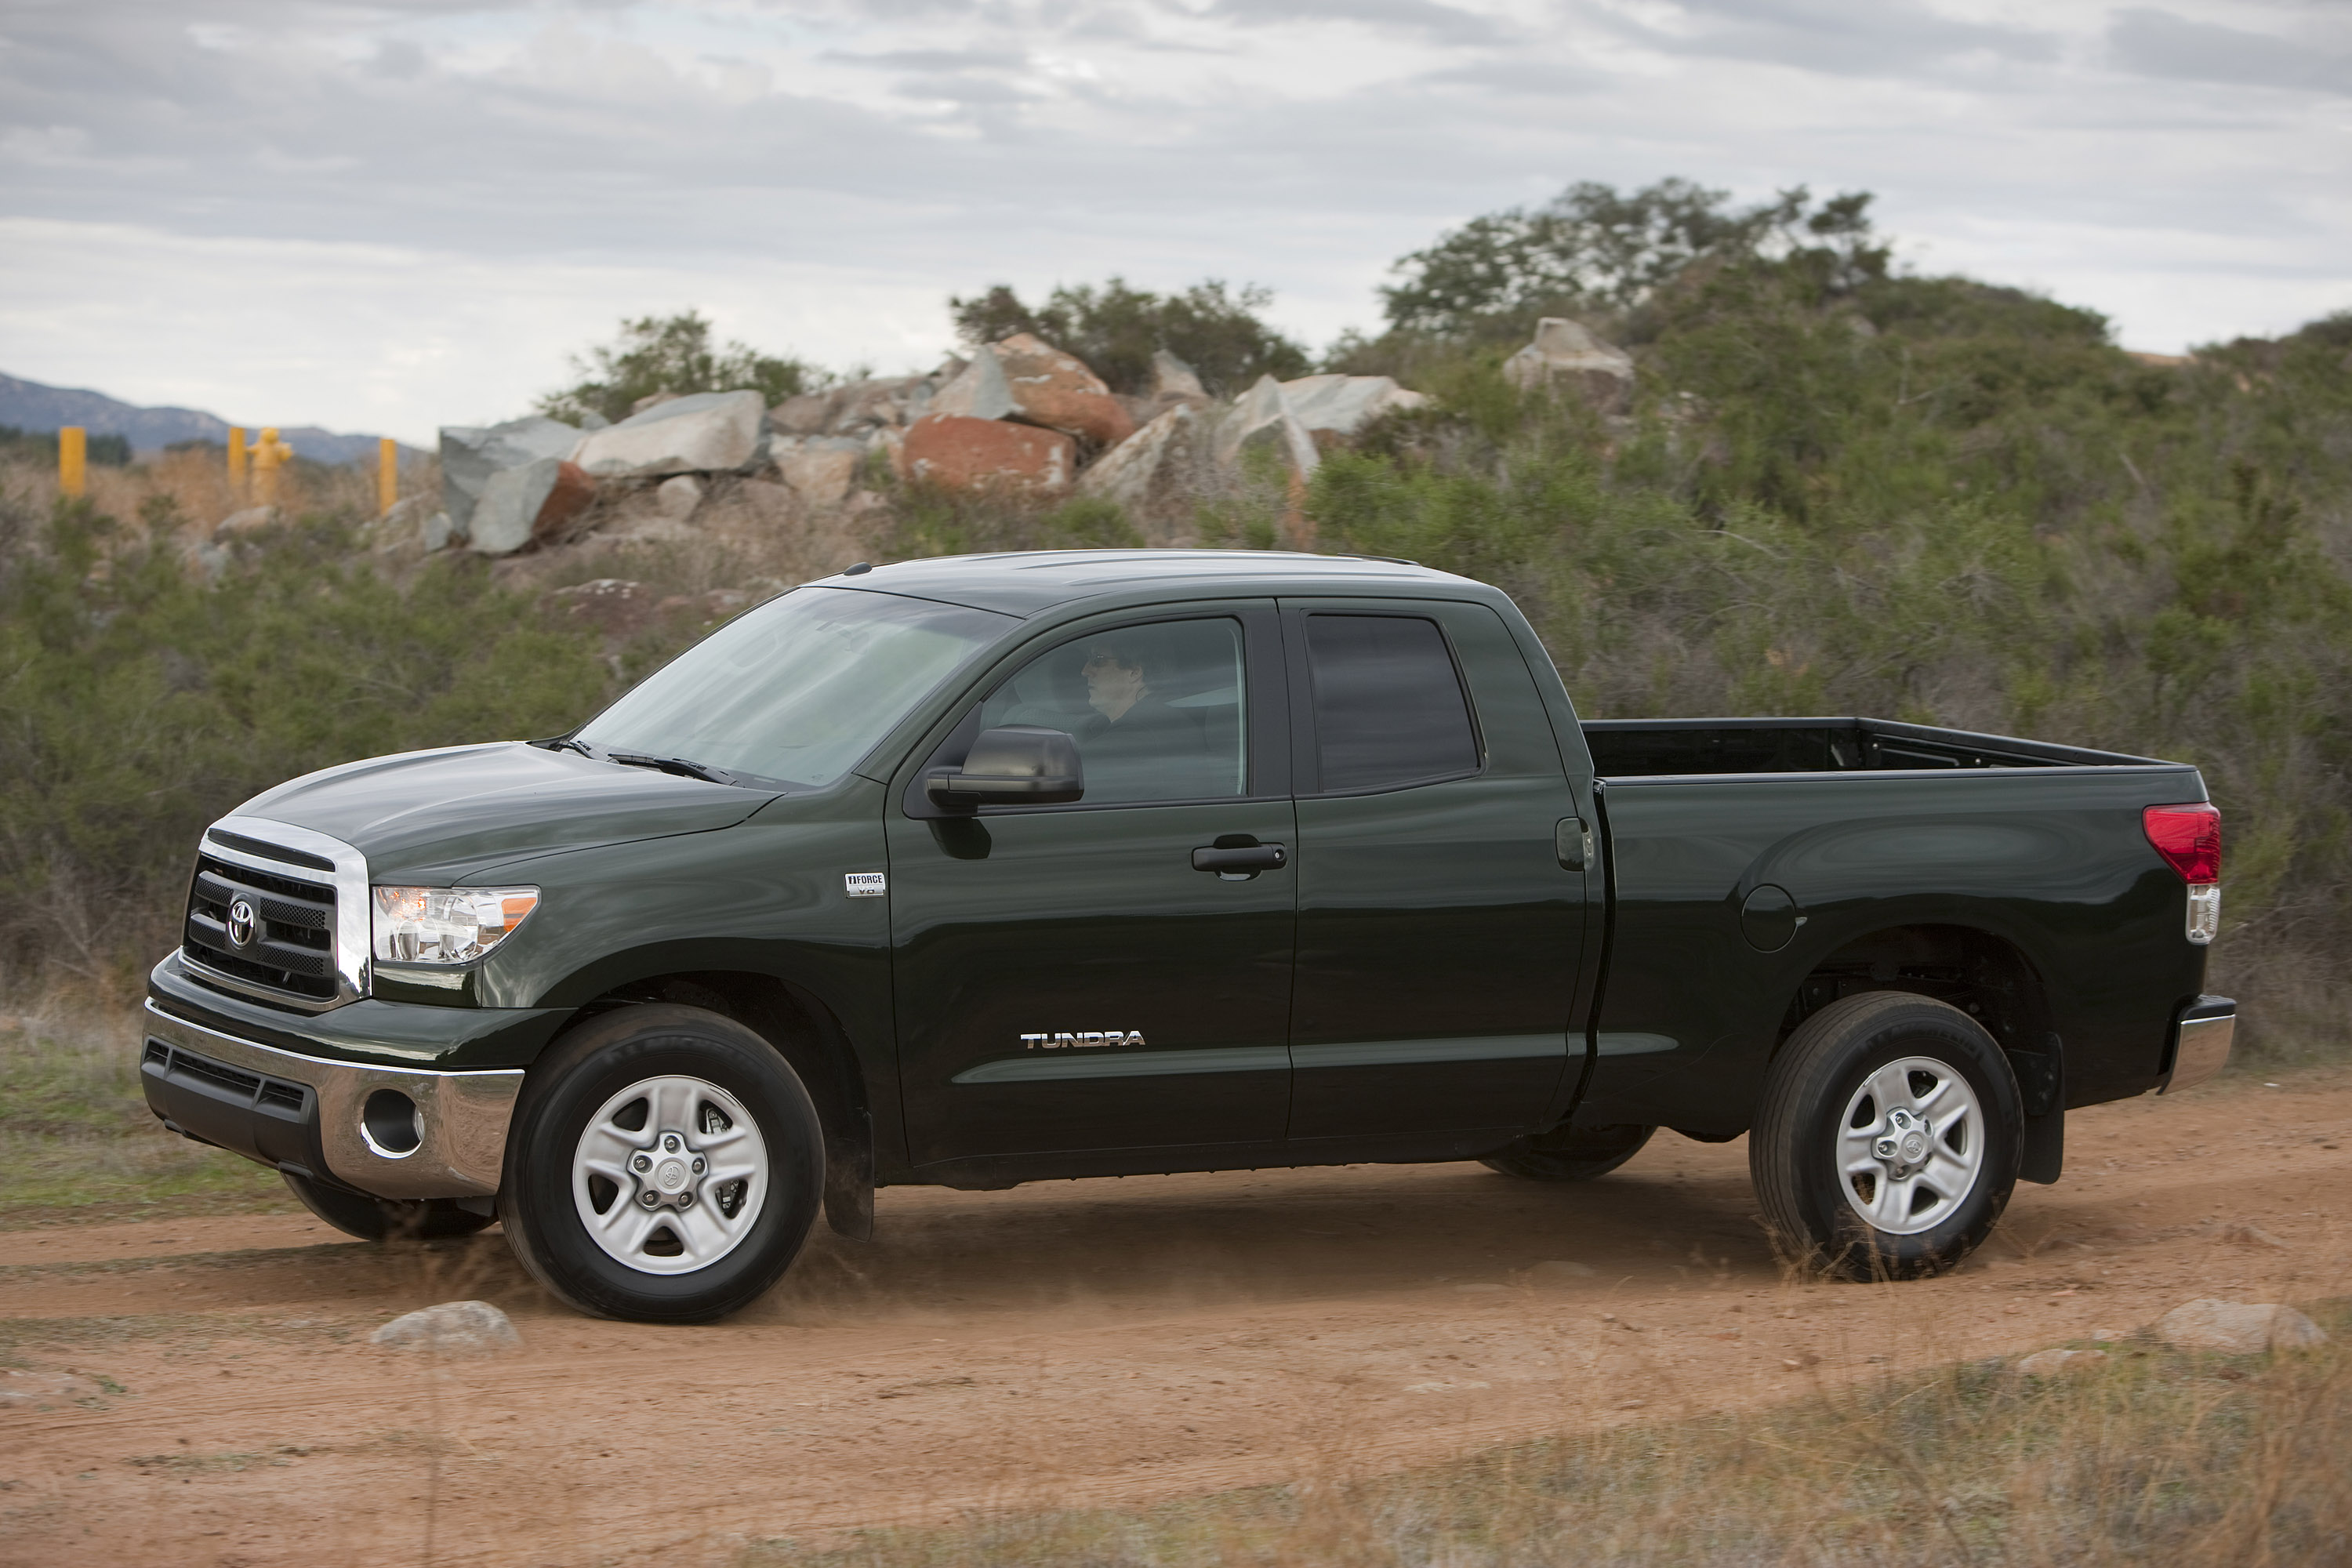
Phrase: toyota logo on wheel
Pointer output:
(243, 923)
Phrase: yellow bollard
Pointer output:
(73, 460)
(387, 475)
(236, 462)
(270, 454)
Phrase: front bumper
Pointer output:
(393, 1133)
(2200, 1042)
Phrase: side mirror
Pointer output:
(1020, 764)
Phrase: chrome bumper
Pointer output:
(458, 1120)
(2200, 1041)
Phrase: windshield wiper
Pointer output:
(565, 743)
(677, 765)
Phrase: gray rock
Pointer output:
(452, 1328)
(807, 414)
(1174, 381)
(246, 521)
(705, 432)
(437, 531)
(978, 391)
(820, 469)
(509, 505)
(2237, 1328)
(1566, 353)
(675, 498)
(1152, 469)
(2056, 1361)
(1262, 419)
(1343, 405)
(470, 454)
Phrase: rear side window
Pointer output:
(1389, 708)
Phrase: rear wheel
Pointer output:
(1889, 1136)
(665, 1165)
(385, 1219)
(1570, 1154)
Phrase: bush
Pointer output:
(673, 354)
(1221, 333)
(139, 701)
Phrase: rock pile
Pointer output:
(1020, 417)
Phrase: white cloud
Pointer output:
(389, 217)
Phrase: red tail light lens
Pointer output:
(2189, 837)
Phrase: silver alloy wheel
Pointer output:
(670, 1175)
(1910, 1146)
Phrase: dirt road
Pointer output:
(1075, 1342)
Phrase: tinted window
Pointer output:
(1157, 710)
(1387, 705)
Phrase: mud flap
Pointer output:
(2041, 1090)
(849, 1181)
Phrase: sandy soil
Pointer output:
(1101, 1342)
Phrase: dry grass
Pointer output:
(76, 1132)
(2151, 1456)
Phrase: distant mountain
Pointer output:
(29, 406)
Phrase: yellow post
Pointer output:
(387, 474)
(270, 454)
(236, 462)
(73, 460)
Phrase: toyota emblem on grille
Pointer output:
(243, 923)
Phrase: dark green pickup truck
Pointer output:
(990, 869)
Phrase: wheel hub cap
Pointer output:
(1911, 1145)
(670, 1175)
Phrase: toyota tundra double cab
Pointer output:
(996, 869)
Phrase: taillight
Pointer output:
(2190, 839)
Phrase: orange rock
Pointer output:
(567, 498)
(962, 453)
(1030, 380)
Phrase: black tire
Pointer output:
(576, 1079)
(385, 1219)
(1570, 1154)
(1804, 1133)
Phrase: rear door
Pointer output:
(1440, 937)
(1067, 979)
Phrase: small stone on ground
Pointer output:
(452, 1328)
(2051, 1362)
(2238, 1327)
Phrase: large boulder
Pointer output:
(705, 432)
(1174, 381)
(820, 469)
(534, 501)
(471, 454)
(1566, 354)
(1339, 405)
(1027, 379)
(964, 453)
(1151, 470)
(1263, 420)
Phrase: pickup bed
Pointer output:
(996, 869)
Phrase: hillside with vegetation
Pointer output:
(1833, 487)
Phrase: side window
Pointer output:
(1157, 710)
(1389, 708)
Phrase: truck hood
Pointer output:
(441, 814)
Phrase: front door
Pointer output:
(1440, 937)
(1066, 979)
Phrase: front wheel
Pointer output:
(1889, 1136)
(665, 1166)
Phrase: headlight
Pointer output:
(446, 925)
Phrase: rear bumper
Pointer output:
(2202, 1038)
(393, 1133)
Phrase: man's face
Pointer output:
(1112, 685)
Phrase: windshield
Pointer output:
(797, 692)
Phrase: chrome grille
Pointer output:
(307, 945)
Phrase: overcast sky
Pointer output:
(389, 217)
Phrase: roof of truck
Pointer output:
(1025, 582)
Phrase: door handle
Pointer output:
(1572, 840)
(1241, 859)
